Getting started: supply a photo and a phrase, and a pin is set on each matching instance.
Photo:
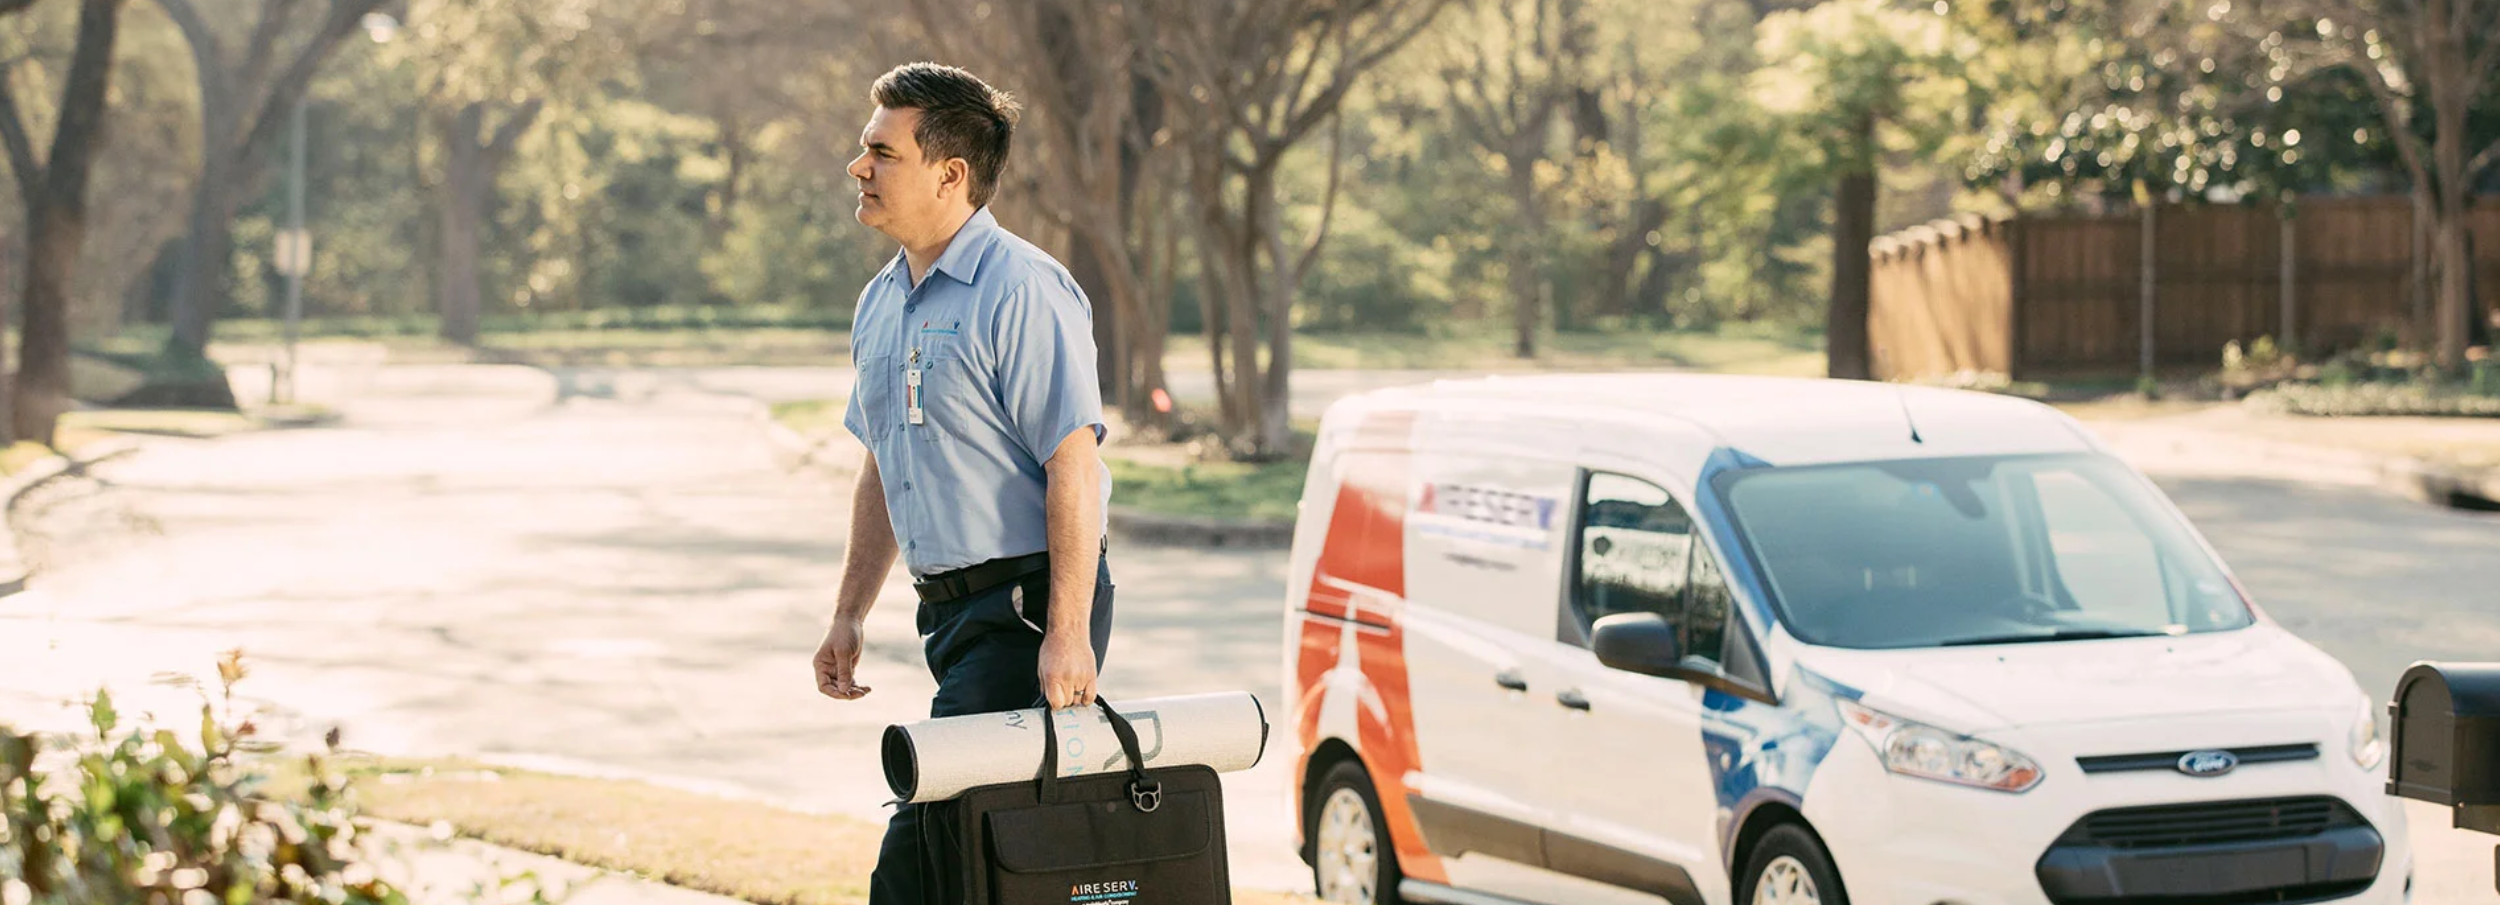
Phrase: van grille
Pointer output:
(2169, 760)
(2211, 823)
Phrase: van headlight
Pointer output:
(1916, 749)
(2368, 751)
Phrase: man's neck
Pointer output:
(924, 254)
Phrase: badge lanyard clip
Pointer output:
(911, 388)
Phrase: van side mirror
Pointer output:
(2446, 737)
(1638, 642)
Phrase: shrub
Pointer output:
(2367, 399)
(143, 816)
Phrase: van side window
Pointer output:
(1708, 611)
(1638, 555)
(1635, 546)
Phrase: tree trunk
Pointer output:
(57, 228)
(202, 264)
(1521, 256)
(1853, 227)
(469, 167)
(1275, 437)
(1092, 275)
(460, 305)
(2448, 66)
(1241, 259)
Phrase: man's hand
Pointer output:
(864, 567)
(1067, 670)
(837, 662)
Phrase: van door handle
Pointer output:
(1511, 679)
(1572, 698)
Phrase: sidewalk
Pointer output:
(2426, 459)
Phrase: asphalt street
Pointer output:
(611, 571)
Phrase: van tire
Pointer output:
(1802, 866)
(1334, 846)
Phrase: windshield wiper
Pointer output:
(2066, 634)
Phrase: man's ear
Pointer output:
(954, 176)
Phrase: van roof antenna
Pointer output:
(1903, 398)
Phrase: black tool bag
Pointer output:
(1141, 837)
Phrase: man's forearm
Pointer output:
(1072, 506)
(871, 551)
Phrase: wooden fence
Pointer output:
(2063, 295)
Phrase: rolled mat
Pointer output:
(935, 760)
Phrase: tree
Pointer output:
(53, 189)
(2434, 57)
(1091, 122)
(1251, 80)
(244, 99)
(489, 70)
(1844, 73)
(1510, 66)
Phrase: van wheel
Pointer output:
(1789, 867)
(1353, 863)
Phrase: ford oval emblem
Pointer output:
(2208, 763)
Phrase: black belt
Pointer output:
(957, 584)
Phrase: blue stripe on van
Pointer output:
(1763, 753)
(1740, 569)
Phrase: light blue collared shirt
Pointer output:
(1003, 341)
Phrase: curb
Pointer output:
(797, 452)
(13, 569)
(2454, 488)
(1184, 531)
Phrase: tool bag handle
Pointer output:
(1144, 794)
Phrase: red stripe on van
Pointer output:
(1365, 549)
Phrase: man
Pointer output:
(978, 404)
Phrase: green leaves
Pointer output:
(138, 816)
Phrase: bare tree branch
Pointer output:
(499, 145)
(261, 50)
(21, 150)
(75, 139)
(2482, 161)
(278, 101)
(1328, 201)
(208, 58)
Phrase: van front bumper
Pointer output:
(1905, 841)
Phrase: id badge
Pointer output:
(911, 395)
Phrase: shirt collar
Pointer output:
(962, 259)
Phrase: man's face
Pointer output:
(900, 194)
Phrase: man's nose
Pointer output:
(859, 168)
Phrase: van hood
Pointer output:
(2261, 668)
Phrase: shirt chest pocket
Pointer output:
(952, 391)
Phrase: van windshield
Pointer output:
(1996, 550)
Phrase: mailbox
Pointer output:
(2447, 740)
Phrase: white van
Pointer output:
(1713, 639)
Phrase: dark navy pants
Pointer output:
(985, 651)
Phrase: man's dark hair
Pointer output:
(960, 116)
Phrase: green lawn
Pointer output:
(811, 417)
(1231, 491)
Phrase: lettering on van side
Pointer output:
(1489, 505)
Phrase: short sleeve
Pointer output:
(1046, 377)
(854, 419)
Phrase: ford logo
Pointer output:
(2208, 763)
